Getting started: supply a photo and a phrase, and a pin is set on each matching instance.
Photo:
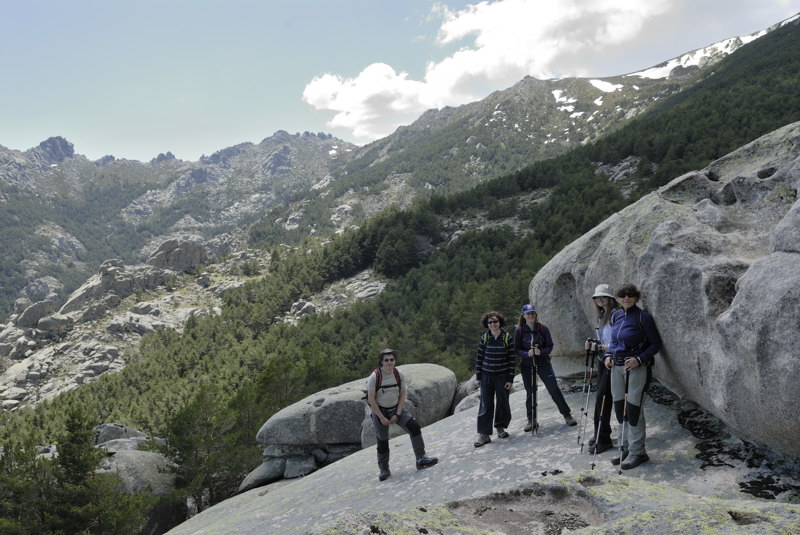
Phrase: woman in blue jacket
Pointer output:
(634, 343)
(532, 340)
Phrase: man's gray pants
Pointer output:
(408, 424)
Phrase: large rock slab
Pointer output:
(716, 254)
(106, 289)
(336, 415)
(330, 416)
(541, 478)
(31, 315)
(180, 255)
(332, 424)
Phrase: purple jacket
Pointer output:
(524, 338)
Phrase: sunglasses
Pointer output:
(388, 360)
(626, 294)
(493, 321)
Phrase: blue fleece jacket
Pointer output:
(632, 336)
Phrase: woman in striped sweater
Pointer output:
(494, 373)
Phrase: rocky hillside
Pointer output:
(452, 149)
(64, 215)
(46, 351)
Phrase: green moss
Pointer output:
(409, 521)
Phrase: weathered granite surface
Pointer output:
(710, 474)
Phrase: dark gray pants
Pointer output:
(635, 434)
(406, 422)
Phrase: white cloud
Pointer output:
(503, 41)
(370, 105)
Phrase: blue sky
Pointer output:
(137, 78)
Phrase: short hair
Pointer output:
(630, 289)
(492, 314)
(385, 352)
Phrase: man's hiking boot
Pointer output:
(502, 433)
(601, 447)
(570, 420)
(528, 427)
(426, 462)
(384, 474)
(634, 461)
(616, 460)
(482, 440)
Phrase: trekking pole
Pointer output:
(583, 390)
(534, 387)
(600, 388)
(624, 419)
(587, 388)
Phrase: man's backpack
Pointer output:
(379, 378)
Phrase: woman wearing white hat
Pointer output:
(605, 305)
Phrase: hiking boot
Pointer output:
(616, 460)
(528, 427)
(482, 440)
(591, 442)
(570, 420)
(502, 433)
(384, 474)
(634, 461)
(426, 462)
(601, 447)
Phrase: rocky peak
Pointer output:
(52, 150)
(163, 157)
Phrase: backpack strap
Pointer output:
(379, 378)
(534, 332)
(506, 338)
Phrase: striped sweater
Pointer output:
(495, 355)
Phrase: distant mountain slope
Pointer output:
(63, 214)
(452, 149)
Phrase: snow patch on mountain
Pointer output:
(606, 87)
(702, 56)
